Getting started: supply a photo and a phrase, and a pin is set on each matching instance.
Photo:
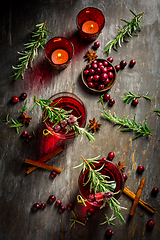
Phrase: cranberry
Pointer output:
(106, 97)
(43, 205)
(108, 195)
(94, 65)
(105, 63)
(64, 123)
(100, 86)
(125, 176)
(150, 224)
(58, 203)
(96, 44)
(123, 64)
(52, 199)
(14, 99)
(100, 64)
(69, 206)
(110, 75)
(90, 212)
(135, 102)
(110, 69)
(91, 72)
(72, 120)
(23, 96)
(104, 158)
(53, 174)
(86, 72)
(36, 206)
(155, 191)
(91, 85)
(111, 102)
(57, 128)
(96, 78)
(62, 208)
(28, 138)
(101, 67)
(107, 81)
(132, 63)
(104, 70)
(110, 59)
(111, 155)
(98, 71)
(117, 67)
(103, 76)
(90, 78)
(96, 83)
(24, 134)
(109, 233)
(99, 197)
(91, 197)
(140, 169)
(94, 61)
(88, 66)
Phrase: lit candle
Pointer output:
(90, 27)
(59, 56)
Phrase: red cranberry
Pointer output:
(53, 174)
(64, 123)
(99, 197)
(72, 120)
(104, 158)
(105, 63)
(24, 134)
(100, 86)
(111, 155)
(150, 224)
(110, 69)
(123, 64)
(108, 195)
(94, 65)
(91, 85)
(52, 199)
(132, 63)
(111, 102)
(101, 67)
(98, 71)
(43, 205)
(57, 128)
(91, 72)
(107, 81)
(91, 197)
(94, 61)
(117, 67)
(88, 66)
(90, 212)
(110, 75)
(96, 44)
(110, 59)
(135, 102)
(36, 206)
(23, 96)
(104, 70)
(155, 191)
(109, 233)
(62, 208)
(100, 64)
(140, 169)
(86, 72)
(14, 99)
(96, 78)
(69, 206)
(125, 176)
(106, 97)
(103, 76)
(90, 78)
(28, 138)
(58, 203)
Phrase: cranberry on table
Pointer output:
(110, 59)
(62, 208)
(23, 96)
(111, 155)
(69, 206)
(24, 134)
(140, 169)
(90, 212)
(117, 67)
(109, 233)
(96, 44)
(106, 97)
(123, 64)
(110, 75)
(132, 63)
(43, 205)
(111, 102)
(36, 206)
(52, 199)
(125, 176)
(53, 174)
(58, 203)
(155, 191)
(14, 99)
(28, 138)
(150, 224)
(135, 102)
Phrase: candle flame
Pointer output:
(59, 55)
(91, 26)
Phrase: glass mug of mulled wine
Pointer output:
(69, 102)
(112, 172)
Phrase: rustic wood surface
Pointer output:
(19, 191)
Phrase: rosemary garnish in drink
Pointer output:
(129, 125)
(125, 31)
(131, 96)
(31, 49)
(57, 115)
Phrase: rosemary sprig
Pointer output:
(16, 125)
(7, 118)
(129, 125)
(131, 96)
(31, 49)
(125, 31)
(56, 115)
(76, 219)
(109, 220)
(158, 111)
(101, 99)
(24, 108)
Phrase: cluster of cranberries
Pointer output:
(16, 99)
(107, 97)
(109, 157)
(64, 123)
(27, 136)
(123, 64)
(98, 74)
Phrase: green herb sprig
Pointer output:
(100, 183)
(78, 220)
(16, 124)
(125, 31)
(31, 49)
(6, 119)
(24, 108)
(129, 125)
(131, 96)
(56, 115)
(158, 111)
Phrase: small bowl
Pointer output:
(108, 86)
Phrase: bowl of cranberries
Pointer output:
(99, 75)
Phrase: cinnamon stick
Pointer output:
(141, 202)
(43, 165)
(137, 197)
(45, 159)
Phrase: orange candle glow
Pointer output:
(59, 56)
(90, 27)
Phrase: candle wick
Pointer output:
(91, 26)
(59, 55)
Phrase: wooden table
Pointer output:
(20, 191)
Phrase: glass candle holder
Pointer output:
(59, 52)
(68, 101)
(110, 170)
(90, 22)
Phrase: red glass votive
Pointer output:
(68, 101)
(59, 52)
(109, 169)
(90, 22)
